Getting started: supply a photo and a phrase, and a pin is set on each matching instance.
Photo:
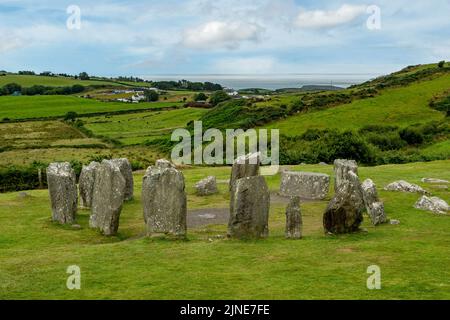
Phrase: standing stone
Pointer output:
(374, 207)
(108, 197)
(294, 221)
(62, 188)
(86, 184)
(163, 163)
(344, 212)
(341, 169)
(127, 172)
(164, 201)
(206, 186)
(306, 185)
(246, 166)
(249, 208)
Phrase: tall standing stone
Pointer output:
(374, 207)
(341, 169)
(246, 166)
(127, 172)
(62, 188)
(108, 197)
(294, 221)
(249, 208)
(86, 184)
(164, 201)
(344, 212)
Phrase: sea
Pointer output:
(270, 81)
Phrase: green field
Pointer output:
(28, 107)
(413, 256)
(28, 81)
(140, 127)
(399, 106)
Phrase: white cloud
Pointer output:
(317, 19)
(253, 65)
(220, 34)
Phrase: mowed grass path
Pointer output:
(139, 127)
(24, 107)
(413, 256)
(400, 106)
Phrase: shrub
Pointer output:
(441, 64)
(218, 97)
(412, 135)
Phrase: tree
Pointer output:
(200, 97)
(70, 116)
(218, 97)
(10, 88)
(84, 76)
(151, 95)
(441, 64)
(77, 88)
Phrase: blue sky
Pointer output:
(222, 36)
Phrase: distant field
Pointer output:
(28, 81)
(139, 127)
(48, 106)
(400, 106)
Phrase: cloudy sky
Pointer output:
(222, 36)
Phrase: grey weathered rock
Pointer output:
(374, 207)
(249, 208)
(163, 163)
(433, 180)
(62, 188)
(86, 184)
(404, 186)
(247, 166)
(127, 172)
(24, 195)
(323, 164)
(344, 212)
(164, 201)
(294, 221)
(341, 169)
(394, 222)
(206, 186)
(433, 204)
(306, 185)
(108, 197)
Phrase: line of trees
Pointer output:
(12, 88)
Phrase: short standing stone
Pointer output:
(404, 186)
(164, 201)
(341, 169)
(374, 207)
(306, 185)
(433, 204)
(249, 208)
(206, 186)
(344, 212)
(86, 184)
(163, 163)
(247, 166)
(62, 187)
(294, 221)
(108, 197)
(127, 172)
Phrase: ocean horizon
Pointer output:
(270, 81)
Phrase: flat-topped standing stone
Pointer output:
(163, 163)
(86, 184)
(108, 197)
(306, 185)
(127, 172)
(374, 207)
(164, 201)
(206, 186)
(294, 221)
(341, 169)
(62, 188)
(344, 212)
(249, 208)
(247, 166)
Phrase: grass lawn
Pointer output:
(413, 256)
(139, 127)
(399, 106)
(23, 107)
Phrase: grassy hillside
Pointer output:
(398, 106)
(27, 107)
(28, 81)
(413, 256)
